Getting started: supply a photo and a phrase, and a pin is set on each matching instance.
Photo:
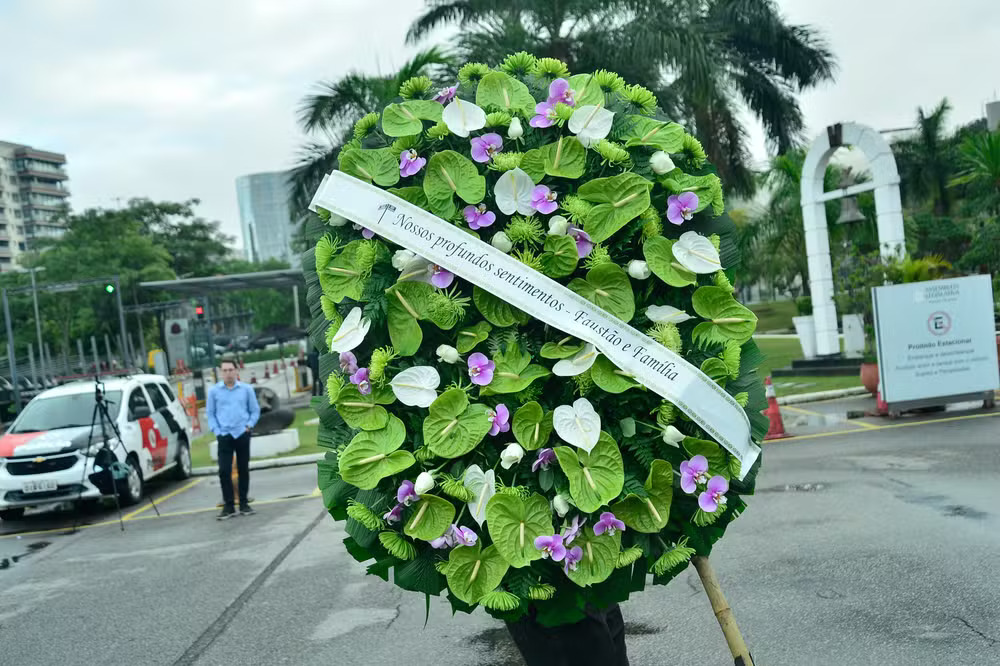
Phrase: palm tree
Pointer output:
(979, 155)
(926, 160)
(332, 110)
(701, 58)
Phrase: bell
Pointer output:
(849, 211)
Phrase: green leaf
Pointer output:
(405, 119)
(514, 372)
(406, 303)
(471, 336)
(532, 426)
(514, 523)
(620, 199)
(431, 517)
(600, 555)
(371, 456)
(728, 320)
(716, 370)
(586, 90)
(496, 311)
(360, 411)
(731, 357)
(336, 491)
(454, 427)
(649, 514)
(562, 349)
(449, 173)
(609, 377)
(707, 187)
(421, 574)
(643, 131)
(713, 453)
(659, 255)
(533, 164)
(343, 275)
(608, 287)
(560, 256)
(378, 165)
(473, 572)
(595, 478)
(566, 158)
(413, 194)
(506, 93)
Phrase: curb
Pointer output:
(822, 395)
(264, 463)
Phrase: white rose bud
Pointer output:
(511, 456)
(638, 269)
(672, 436)
(558, 225)
(501, 242)
(661, 163)
(560, 505)
(515, 131)
(423, 484)
(401, 259)
(448, 354)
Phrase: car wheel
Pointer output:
(183, 469)
(132, 492)
(12, 514)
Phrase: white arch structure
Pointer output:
(888, 210)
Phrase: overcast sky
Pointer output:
(174, 99)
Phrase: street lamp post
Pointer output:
(38, 322)
(10, 353)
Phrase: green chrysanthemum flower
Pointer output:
(397, 545)
(455, 488)
(437, 131)
(323, 214)
(353, 143)
(519, 64)
(506, 161)
(609, 81)
(716, 241)
(584, 383)
(628, 557)
(597, 257)
(416, 87)
(667, 334)
(550, 68)
(673, 557)
(524, 230)
(473, 72)
(642, 99)
(405, 143)
(576, 207)
(651, 224)
(694, 150)
(423, 454)
(365, 516)
(722, 280)
(528, 258)
(500, 600)
(326, 248)
(666, 413)
(498, 119)
(563, 112)
(612, 153)
(365, 125)
(367, 252)
(380, 359)
(334, 382)
(447, 308)
(542, 592)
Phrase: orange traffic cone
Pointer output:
(267, 373)
(776, 428)
(275, 370)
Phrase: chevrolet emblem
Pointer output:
(38, 460)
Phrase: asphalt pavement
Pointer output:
(865, 544)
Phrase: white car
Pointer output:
(50, 454)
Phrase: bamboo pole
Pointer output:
(723, 613)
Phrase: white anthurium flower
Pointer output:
(483, 487)
(560, 505)
(511, 455)
(416, 386)
(515, 131)
(696, 253)
(558, 225)
(447, 354)
(578, 424)
(502, 242)
(661, 163)
(577, 364)
(424, 483)
(673, 436)
(591, 123)
(463, 117)
(401, 258)
(415, 270)
(660, 314)
(628, 427)
(351, 333)
(638, 269)
(513, 192)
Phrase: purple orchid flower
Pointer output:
(681, 207)
(546, 115)
(608, 523)
(573, 530)
(545, 458)
(478, 217)
(410, 163)
(499, 419)
(584, 245)
(551, 546)
(348, 362)
(714, 495)
(445, 95)
(693, 473)
(543, 199)
(573, 557)
(463, 536)
(394, 515)
(486, 146)
(365, 231)
(481, 369)
(360, 379)
(440, 277)
(559, 91)
(443, 541)
(406, 495)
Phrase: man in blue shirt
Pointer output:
(232, 410)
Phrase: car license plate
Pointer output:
(39, 486)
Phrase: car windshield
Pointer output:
(63, 411)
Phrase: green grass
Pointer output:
(775, 316)
(307, 440)
(780, 354)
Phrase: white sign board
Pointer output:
(936, 339)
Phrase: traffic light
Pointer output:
(110, 288)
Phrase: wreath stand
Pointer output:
(723, 613)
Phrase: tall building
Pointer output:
(264, 216)
(32, 194)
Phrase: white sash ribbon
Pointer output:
(442, 243)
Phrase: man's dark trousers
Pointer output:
(241, 446)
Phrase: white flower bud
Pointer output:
(638, 269)
(501, 242)
(560, 505)
(558, 225)
(337, 220)
(628, 427)
(511, 456)
(447, 354)
(401, 259)
(515, 131)
(672, 436)
(661, 163)
(424, 483)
